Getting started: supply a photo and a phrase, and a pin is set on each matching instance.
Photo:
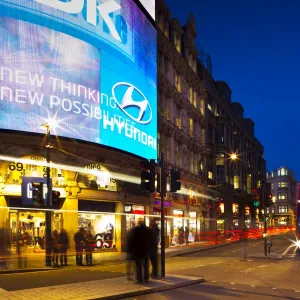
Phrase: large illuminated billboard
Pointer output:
(88, 64)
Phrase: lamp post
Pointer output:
(48, 222)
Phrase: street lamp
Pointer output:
(48, 222)
(233, 156)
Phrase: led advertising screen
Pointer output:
(150, 7)
(87, 66)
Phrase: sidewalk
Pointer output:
(116, 288)
(37, 263)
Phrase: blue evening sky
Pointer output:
(255, 47)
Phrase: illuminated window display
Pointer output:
(27, 230)
(133, 213)
(178, 225)
(102, 227)
(192, 225)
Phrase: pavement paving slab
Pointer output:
(115, 288)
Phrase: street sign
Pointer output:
(31, 192)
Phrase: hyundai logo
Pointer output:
(132, 102)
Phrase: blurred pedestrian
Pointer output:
(55, 248)
(139, 243)
(129, 254)
(64, 246)
(79, 240)
(89, 248)
(186, 235)
(153, 248)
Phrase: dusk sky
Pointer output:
(255, 47)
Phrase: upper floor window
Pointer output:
(282, 196)
(282, 184)
(283, 209)
(209, 104)
(191, 95)
(220, 160)
(177, 41)
(195, 98)
(236, 182)
(282, 172)
(178, 81)
(191, 127)
(210, 175)
(258, 183)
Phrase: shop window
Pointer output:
(235, 209)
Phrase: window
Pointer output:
(282, 184)
(191, 162)
(191, 128)
(178, 42)
(195, 98)
(283, 172)
(209, 104)
(236, 182)
(191, 95)
(249, 183)
(283, 209)
(258, 183)
(282, 196)
(202, 106)
(220, 161)
(268, 210)
(178, 81)
(210, 175)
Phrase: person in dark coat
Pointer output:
(64, 246)
(79, 240)
(153, 248)
(89, 248)
(139, 243)
(129, 254)
(55, 248)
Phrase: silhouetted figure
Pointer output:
(186, 235)
(79, 240)
(153, 248)
(129, 254)
(64, 246)
(139, 242)
(89, 248)
(55, 248)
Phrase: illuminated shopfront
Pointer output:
(178, 227)
(235, 214)
(220, 216)
(247, 216)
(157, 212)
(133, 213)
(194, 226)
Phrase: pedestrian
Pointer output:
(79, 240)
(129, 254)
(139, 242)
(89, 248)
(64, 246)
(55, 248)
(186, 235)
(153, 248)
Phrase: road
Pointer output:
(227, 274)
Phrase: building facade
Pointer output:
(200, 127)
(283, 187)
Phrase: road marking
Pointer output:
(297, 291)
(232, 283)
(252, 285)
(182, 268)
(287, 250)
(274, 288)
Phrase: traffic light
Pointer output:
(148, 175)
(37, 193)
(175, 183)
(55, 197)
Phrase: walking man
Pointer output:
(153, 248)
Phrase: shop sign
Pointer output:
(193, 214)
(178, 213)
(166, 203)
(138, 209)
(193, 201)
(128, 208)
(247, 210)
(95, 176)
(32, 166)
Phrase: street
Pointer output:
(227, 275)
